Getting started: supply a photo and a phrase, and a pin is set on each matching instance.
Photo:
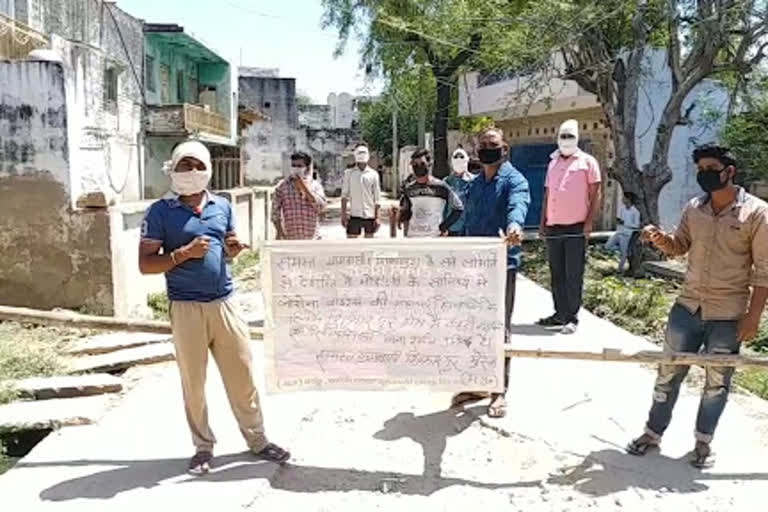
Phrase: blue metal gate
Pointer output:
(532, 160)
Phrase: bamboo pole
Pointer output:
(76, 320)
(646, 356)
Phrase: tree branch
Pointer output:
(424, 44)
(449, 68)
(673, 47)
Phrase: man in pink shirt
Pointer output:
(571, 201)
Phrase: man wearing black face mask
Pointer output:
(425, 199)
(497, 201)
(725, 234)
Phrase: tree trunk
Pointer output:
(440, 131)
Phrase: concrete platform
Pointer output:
(559, 449)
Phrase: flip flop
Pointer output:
(701, 459)
(641, 445)
(274, 453)
(467, 397)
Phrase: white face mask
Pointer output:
(460, 165)
(190, 182)
(362, 156)
(301, 172)
(567, 147)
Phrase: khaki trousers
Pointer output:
(216, 326)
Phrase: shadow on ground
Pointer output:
(610, 471)
(431, 431)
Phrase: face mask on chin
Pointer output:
(190, 182)
(711, 181)
(490, 156)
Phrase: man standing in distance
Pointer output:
(725, 235)
(189, 236)
(426, 200)
(298, 202)
(571, 202)
(360, 196)
(497, 202)
(459, 181)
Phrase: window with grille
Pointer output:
(150, 73)
(110, 84)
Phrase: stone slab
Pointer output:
(667, 269)
(53, 414)
(67, 386)
(111, 342)
(122, 359)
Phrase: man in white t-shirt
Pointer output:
(360, 196)
(628, 223)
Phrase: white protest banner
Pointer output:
(385, 314)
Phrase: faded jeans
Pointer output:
(619, 241)
(687, 332)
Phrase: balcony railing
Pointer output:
(186, 119)
(17, 39)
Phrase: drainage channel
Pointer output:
(17, 444)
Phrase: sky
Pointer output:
(283, 34)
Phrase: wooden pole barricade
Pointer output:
(76, 320)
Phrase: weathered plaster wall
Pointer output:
(331, 150)
(131, 287)
(316, 116)
(52, 256)
(107, 151)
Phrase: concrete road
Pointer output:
(559, 449)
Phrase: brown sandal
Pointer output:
(274, 453)
(467, 397)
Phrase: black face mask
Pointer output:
(710, 181)
(420, 171)
(490, 156)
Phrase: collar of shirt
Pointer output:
(172, 198)
(705, 201)
(556, 154)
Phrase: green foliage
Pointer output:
(410, 93)
(246, 263)
(474, 124)
(30, 352)
(634, 304)
(745, 134)
(303, 99)
(159, 304)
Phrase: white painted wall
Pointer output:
(104, 152)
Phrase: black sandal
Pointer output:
(702, 456)
(274, 453)
(551, 321)
(641, 445)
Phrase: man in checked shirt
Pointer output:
(299, 200)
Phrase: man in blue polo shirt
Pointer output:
(190, 237)
(497, 202)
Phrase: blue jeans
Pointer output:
(687, 332)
